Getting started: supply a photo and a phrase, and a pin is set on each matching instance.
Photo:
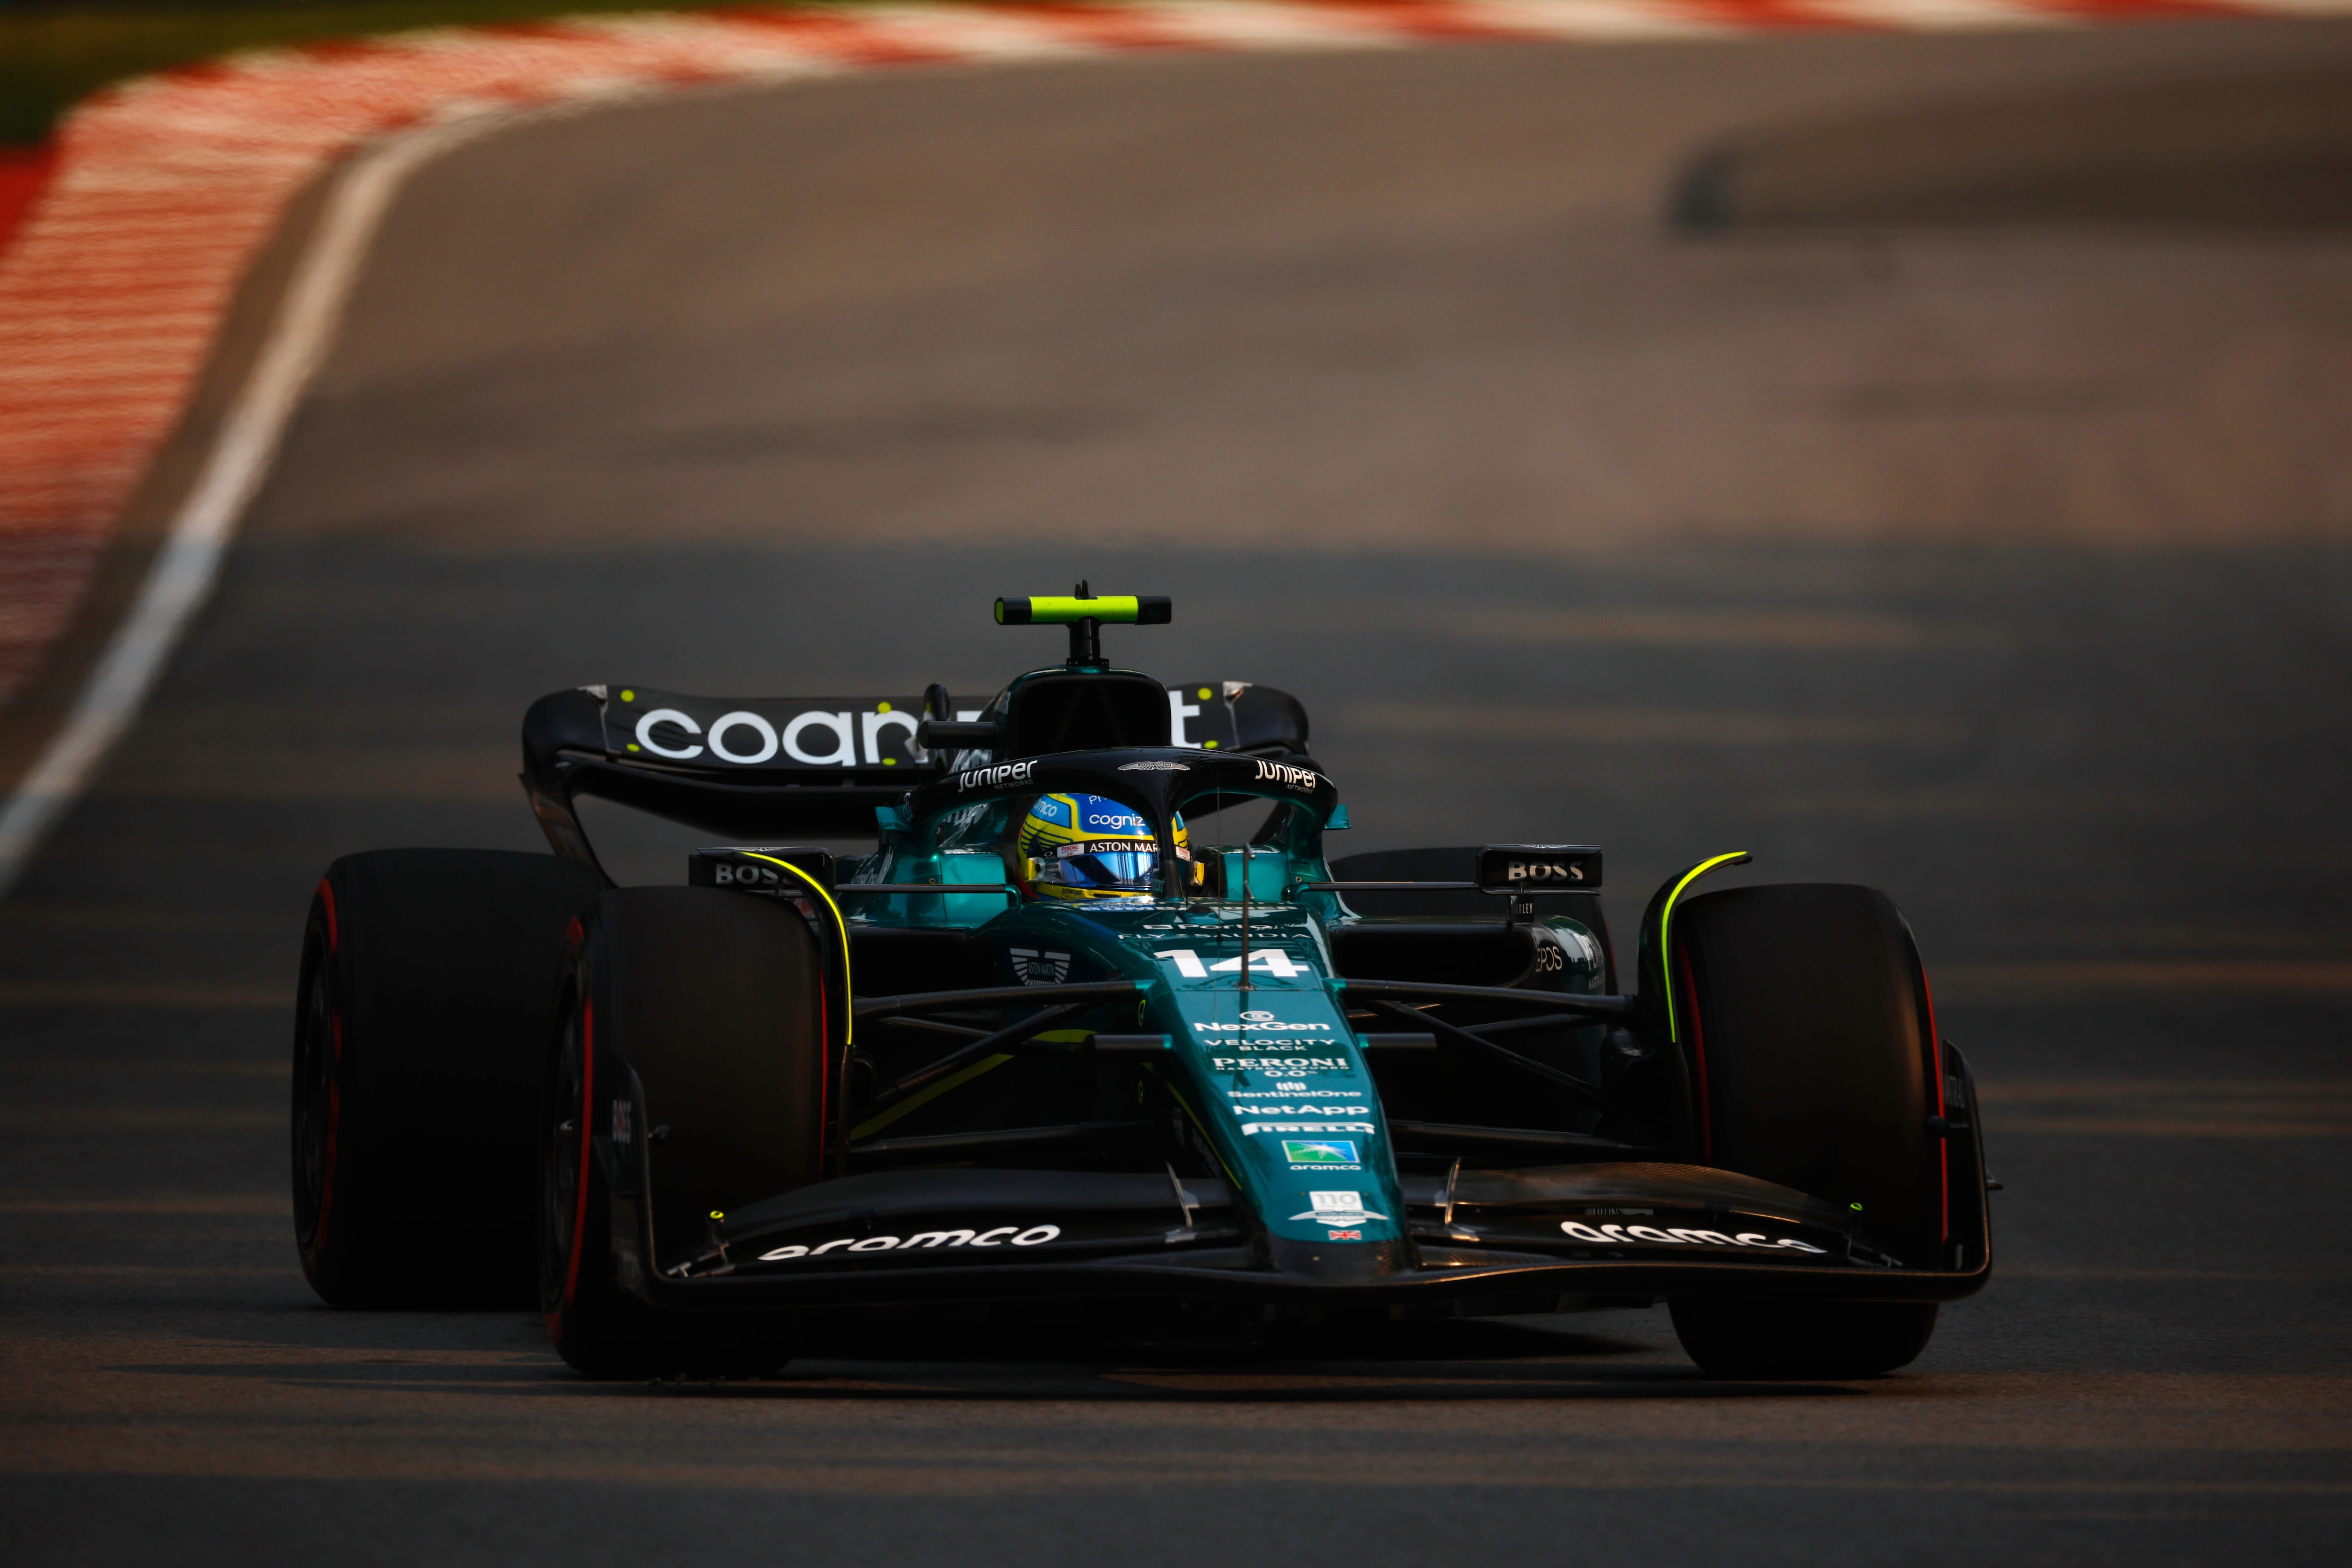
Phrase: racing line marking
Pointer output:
(165, 188)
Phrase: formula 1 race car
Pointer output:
(1049, 1052)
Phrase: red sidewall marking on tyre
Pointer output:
(1699, 1055)
(1943, 1141)
(327, 898)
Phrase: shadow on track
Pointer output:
(1490, 1360)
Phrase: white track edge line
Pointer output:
(188, 564)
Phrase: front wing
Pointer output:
(1491, 1242)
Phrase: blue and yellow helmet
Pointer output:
(1091, 847)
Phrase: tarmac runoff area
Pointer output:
(1994, 564)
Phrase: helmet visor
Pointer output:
(1118, 866)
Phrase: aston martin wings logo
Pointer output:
(1031, 967)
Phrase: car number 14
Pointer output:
(1262, 961)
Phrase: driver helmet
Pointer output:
(1083, 847)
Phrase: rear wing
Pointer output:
(775, 768)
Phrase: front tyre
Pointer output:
(597, 1327)
(714, 1001)
(1802, 1012)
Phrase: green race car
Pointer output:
(1099, 1029)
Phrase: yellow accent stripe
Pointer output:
(1186, 1106)
(953, 1080)
(848, 992)
(1666, 950)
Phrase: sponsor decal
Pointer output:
(1053, 809)
(1104, 846)
(1344, 1236)
(1178, 712)
(764, 744)
(1280, 1064)
(1651, 1236)
(728, 875)
(1252, 1127)
(1283, 773)
(1337, 1208)
(1282, 1089)
(1001, 774)
(1031, 967)
(659, 716)
(1306, 1111)
(748, 739)
(844, 749)
(776, 735)
(1334, 1151)
(622, 1131)
(1538, 867)
(1262, 1023)
(1156, 767)
(923, 1241)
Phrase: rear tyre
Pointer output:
(1804, 1011)
(422, 1009)
(1803, 1339)
(714, 1001)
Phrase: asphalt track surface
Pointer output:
(2009, 569)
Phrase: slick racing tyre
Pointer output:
(713, 1002)
(1805, 1023)
(421, 1019)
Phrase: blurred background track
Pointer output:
(1682, 449)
